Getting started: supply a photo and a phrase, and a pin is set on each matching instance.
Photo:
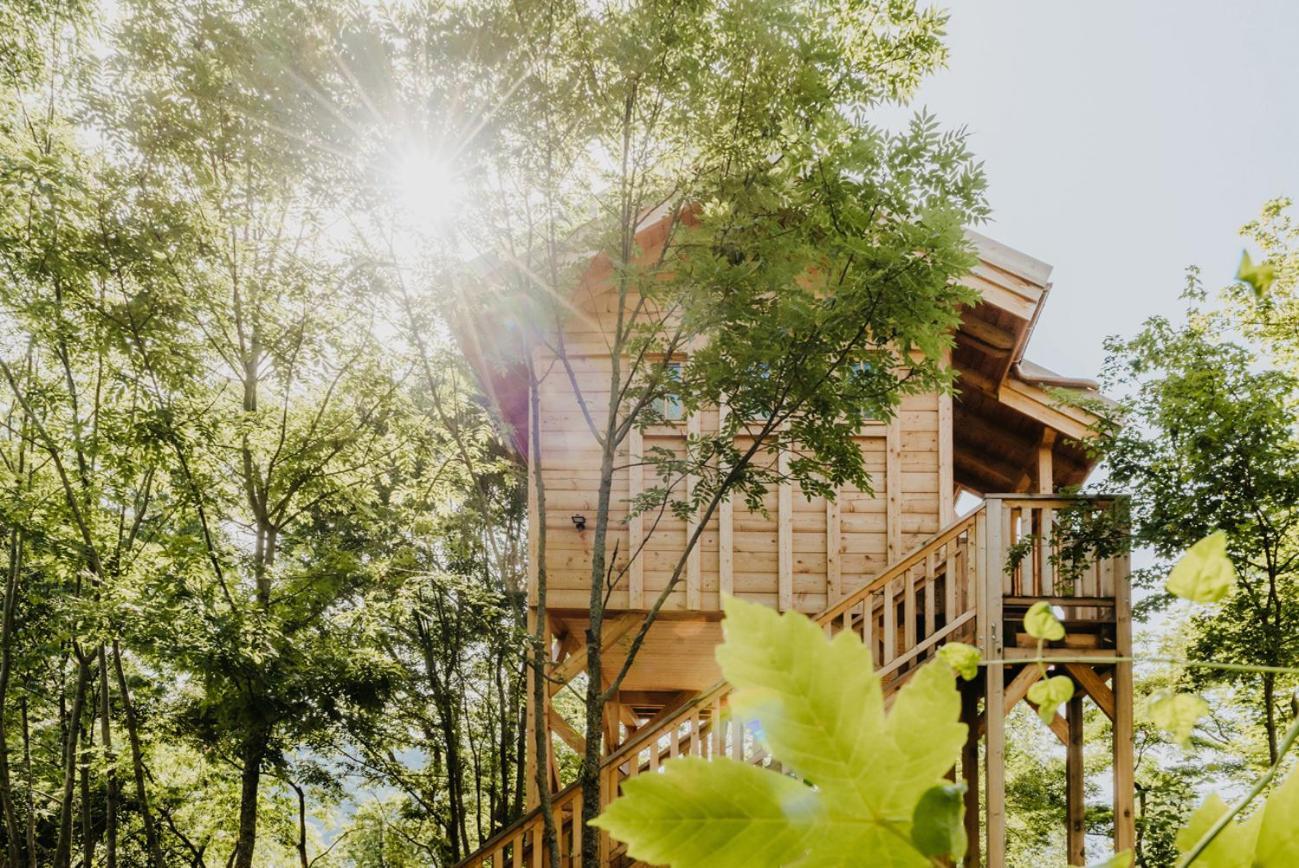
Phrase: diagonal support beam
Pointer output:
(615, 631)
(561, 728)
(1095, 686)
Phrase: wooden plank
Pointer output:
(833, 542)
(636, 525)
(785, 537)
(893, 488)
(693, 595)
(1019, 685)
(1075, 781)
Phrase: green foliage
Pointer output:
(1049, 694)
(938, 824)
(1041, 623)
(1204, 574)
(964, 659)
(1177, 713)
(1268, 837)
(819, 709)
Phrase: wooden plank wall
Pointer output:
(802, 554)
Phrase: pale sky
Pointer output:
(1123, 141)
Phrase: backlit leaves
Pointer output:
(1205, 573)
(1049, 694)
(1041, 623)
(964, 659)
(819, 709)
(1177, 713)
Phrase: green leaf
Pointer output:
(1278, 838)
(964, 659)
(1118, 860)
(1177, 713)
(1235, 844)
(938, 824)
(819, 708)
(1258, 277)
(722, 812)
(1204, 574)
(1049, 694)
(1041, 623)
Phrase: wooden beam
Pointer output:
(1045, 469)
(1040, 405)
(1124, 783)
(561, 728)
(970, 771)
(995, 338)
(615, 630)
(1019, 685)
(991, 627)
(1094, 685)
(1075, 783)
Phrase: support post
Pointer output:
(994, 695)
(1124, 781)
(1075, 778)
(970, 771)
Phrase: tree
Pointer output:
(810, 262)
(1210, 445)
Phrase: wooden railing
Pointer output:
(903, 615)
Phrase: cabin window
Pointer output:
(861, 371)
(669, 403)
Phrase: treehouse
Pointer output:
(901, 567)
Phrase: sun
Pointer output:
(427, 189)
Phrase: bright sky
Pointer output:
(1123, 141)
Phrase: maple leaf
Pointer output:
(819, 707)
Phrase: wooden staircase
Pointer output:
(972, 582)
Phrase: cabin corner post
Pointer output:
(995, 686)
(1124, 777)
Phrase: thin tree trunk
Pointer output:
(110, 761)
(537, 655)
(32, 856)
(1269, 716)
(252, 754)
(63, 846)
(137, 761)
(12, 834)
(88, 839)
(302, 824)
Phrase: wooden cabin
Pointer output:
(903, 567)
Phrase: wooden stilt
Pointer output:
(1075, 834)
(1124, 783)
(970, 772)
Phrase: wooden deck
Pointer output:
(972, 582)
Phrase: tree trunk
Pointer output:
(110, 761)
(32, 856)
(12, 834)
(88, 839)
(302, 824)
(537, 655)
(63, 847)
(137, 762)
(252, 754)
(1269, 716)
